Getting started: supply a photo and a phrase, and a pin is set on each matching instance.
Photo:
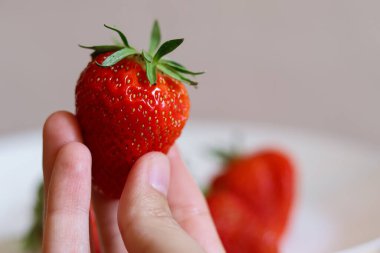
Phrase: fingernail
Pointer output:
(159, 172)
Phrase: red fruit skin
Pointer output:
(238, 227)
(265, 182)
(123, 117)
(94, 233)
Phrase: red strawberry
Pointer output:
(265, 181)
(94, 233)
(129, 103)
(239, 228)
(263, 185)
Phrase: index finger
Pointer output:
(189, 207)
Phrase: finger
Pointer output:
(189, 207)
(59, 129)
(68, 201)
(145, 220)
(106, 218)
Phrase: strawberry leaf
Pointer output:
(122, 36)
(173, 73)
(173, 63)
(225, 155)
(166, 48)
(155, 37)
(152, 58)
(102, 48)
(179, 68)
(118, 56)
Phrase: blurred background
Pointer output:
(297, 63)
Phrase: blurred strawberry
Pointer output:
(264, 184)
(239, 228)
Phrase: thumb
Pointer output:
(145, 220)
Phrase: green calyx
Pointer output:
(225, 156)
(153, 59)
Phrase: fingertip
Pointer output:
(54, 117)
(147, 184)
(74, 156)
(60, 121)
(149, 159)
(156, 166)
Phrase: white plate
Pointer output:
(338, 202)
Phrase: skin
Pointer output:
(161, 208)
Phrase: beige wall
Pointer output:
(310, 64)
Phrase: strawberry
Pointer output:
(239, 228)
(94, 233)
(264, 184)
(129, 103)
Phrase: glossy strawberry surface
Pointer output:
(122, 116)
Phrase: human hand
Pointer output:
(161, 208)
